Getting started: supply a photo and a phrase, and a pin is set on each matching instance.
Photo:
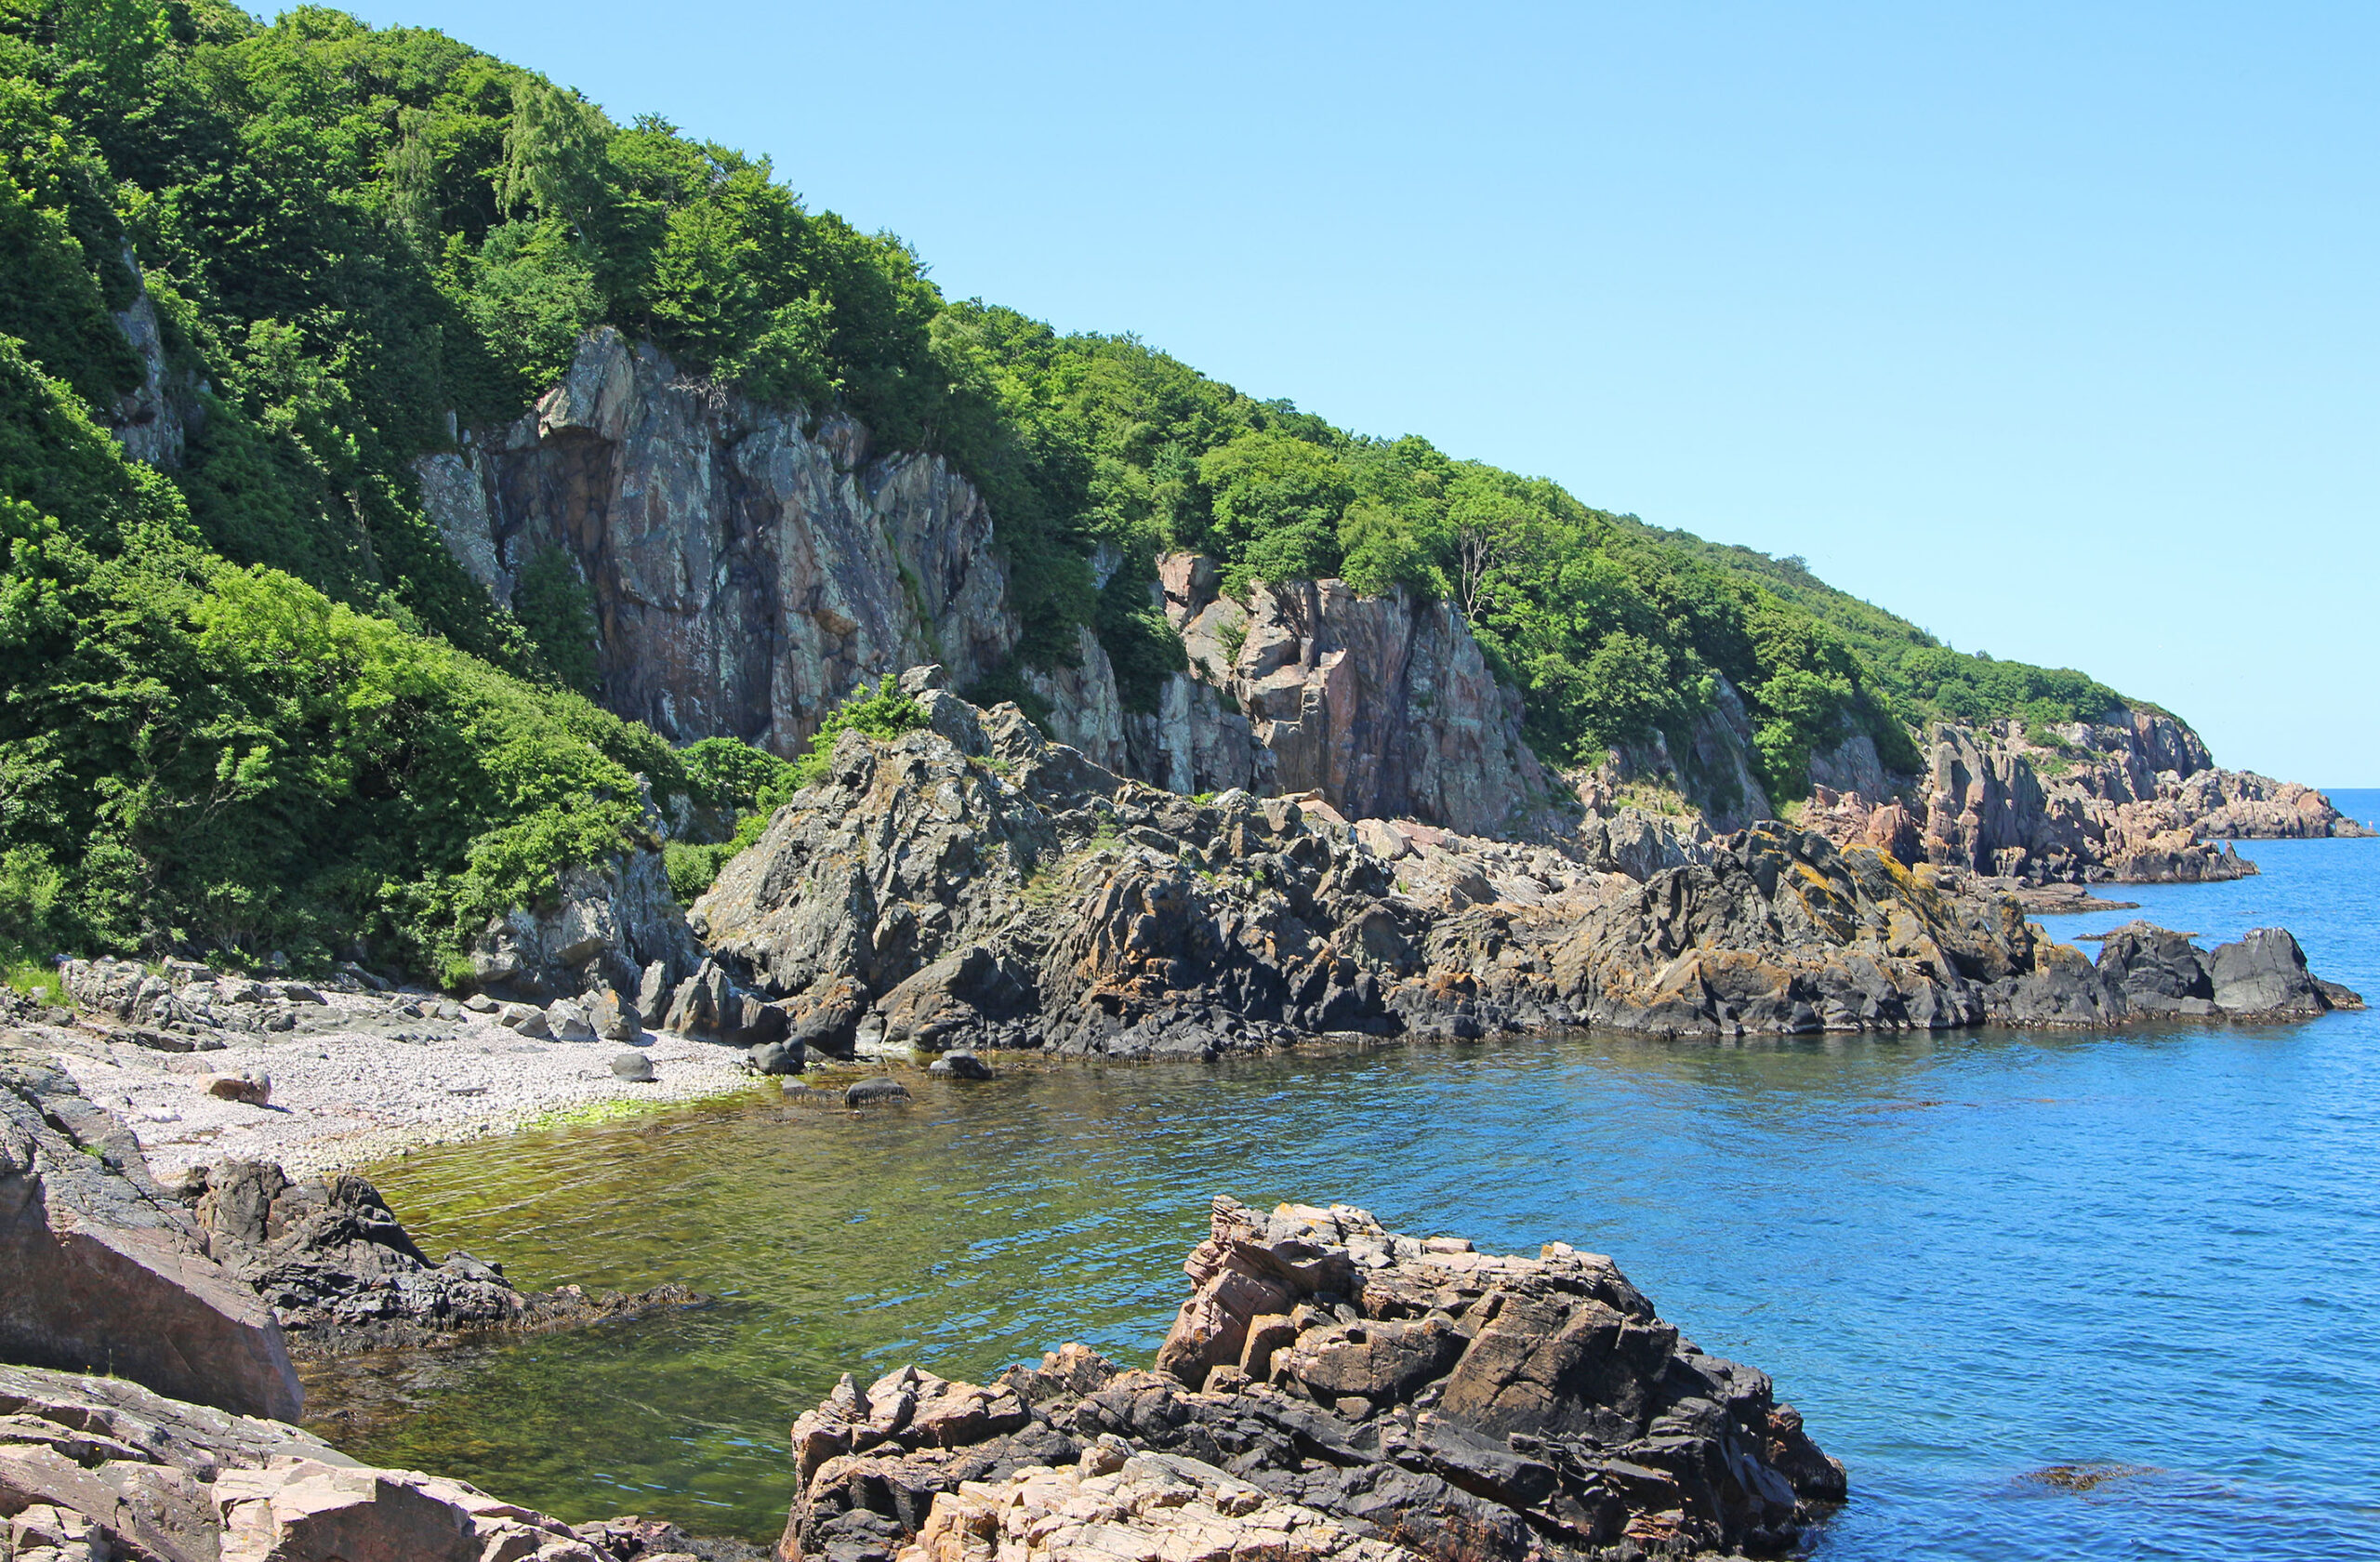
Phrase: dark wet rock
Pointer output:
(775, 1057)
(2261, 976)
(880, 1090)
(100, 1272)
(973, 886)
(1446, 1401)
(341, 1274)
(959, 1066)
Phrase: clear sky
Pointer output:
(2051, 327)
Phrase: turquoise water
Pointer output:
(1965, 1258)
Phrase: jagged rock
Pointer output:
(613, 1017)
(129, 1473)
(974, 885)
(1383, 704)
(341, 1274)
(100, 1272)
(121, 991)
(607, 928)
(710, 1003)
(749, 565)
(566, 1021)
(1330, 1378)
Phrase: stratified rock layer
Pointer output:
(1331, 1389)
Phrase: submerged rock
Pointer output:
(1335, 1387)
(341, 1274)
(880, 1089)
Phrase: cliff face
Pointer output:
(1383, 704)
(748, 568)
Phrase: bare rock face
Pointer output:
(749, 567)
(1331, 1389)
(118, 1471)
(2130, 798)
(2241, 805)
(100, 1272)
(607, 931)
(1384, 705)
(341, 1274)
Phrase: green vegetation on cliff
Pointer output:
(249, 700)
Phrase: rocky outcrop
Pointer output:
(973, 885)
(1384, 705)
(153, 420)
(1331, 1389)
(340, 1273)
(749, 566)
(2132, 799)
(93, 1469)
(100, 1272)
(616, 928)
(2241, 805)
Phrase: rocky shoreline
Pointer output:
(1331, 1389)
(975, 886)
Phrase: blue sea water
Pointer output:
(1967, 1258)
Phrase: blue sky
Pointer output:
(2055, 328)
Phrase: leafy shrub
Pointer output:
(883, 716)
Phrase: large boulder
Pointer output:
(1358, 1385)
(100, 1272)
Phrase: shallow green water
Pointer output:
(1964, 1257)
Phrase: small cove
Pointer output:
(1965, 1257)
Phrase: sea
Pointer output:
(2047, 1294)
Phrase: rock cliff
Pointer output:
(977, 885)
(1331, 1389)
(749, 566)
(1383, 705)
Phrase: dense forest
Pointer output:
(248, 701)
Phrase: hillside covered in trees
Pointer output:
(246, 697)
